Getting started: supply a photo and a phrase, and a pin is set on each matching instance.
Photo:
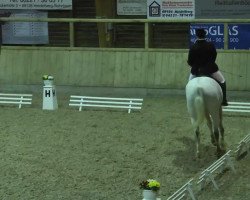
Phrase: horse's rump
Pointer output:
(204, 96)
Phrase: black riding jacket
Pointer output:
(201, 58)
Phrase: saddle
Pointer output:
(207, 75)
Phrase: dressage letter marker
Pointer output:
(49, 97)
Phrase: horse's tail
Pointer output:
(199, 108)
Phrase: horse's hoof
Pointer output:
(220, 153)
(213, 142)
(223, 151)
(223, 146)
(198, 156)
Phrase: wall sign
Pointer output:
(26, 32)
(225, 9)
(131, 7)
(36, 4)
(170, 9)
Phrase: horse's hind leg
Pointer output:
(216, 124)
(217, 135)
(210, 126)
(197, 140)
(221, 128)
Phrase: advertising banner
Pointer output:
(131, 7)
(239, 36)
(214, 33)
(170, 9)
(225, 9)
(36, 4)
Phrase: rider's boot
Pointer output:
(224, 91)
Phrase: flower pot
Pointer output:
(149, 195)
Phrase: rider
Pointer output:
(201, 58)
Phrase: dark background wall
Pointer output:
(122, 35)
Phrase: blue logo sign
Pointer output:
(239, 36)
(214, 34)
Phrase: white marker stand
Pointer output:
(49, 96)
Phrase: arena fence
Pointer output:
(105, 102)
(19, 99)
(183, 192)
(221, 163)
(243, 146)
(146, 22)
(240, 107)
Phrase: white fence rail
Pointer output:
(19, 99)
(244, 145)
(241, 107)
(218, 164)
(105, 102)
(183, 192)
(209, 173)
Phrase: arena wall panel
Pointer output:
(132, 68)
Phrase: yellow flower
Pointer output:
(48, 77)
(45, 77)
(153, 183)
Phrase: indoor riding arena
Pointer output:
(103, 53)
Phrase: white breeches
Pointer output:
(216, 75)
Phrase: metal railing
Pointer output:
(146, 22)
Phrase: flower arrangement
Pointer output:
(48, 77)
(150, 184)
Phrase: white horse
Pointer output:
(204, 97)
